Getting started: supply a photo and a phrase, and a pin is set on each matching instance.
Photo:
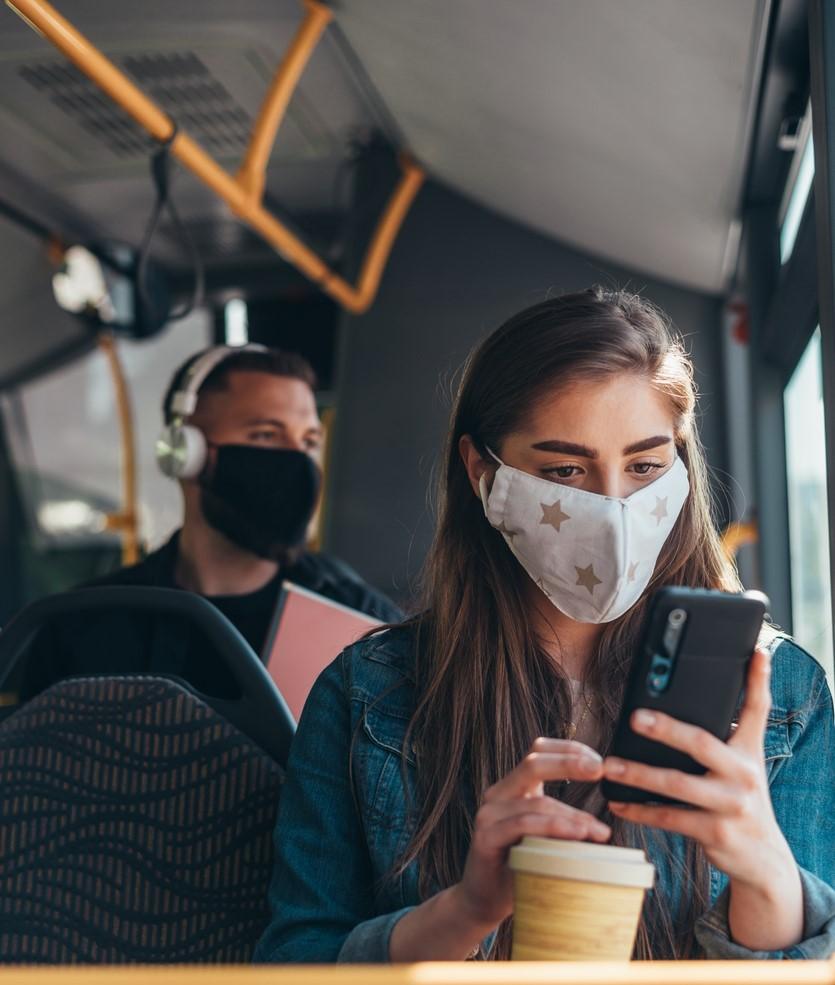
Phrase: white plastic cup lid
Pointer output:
(584, 861)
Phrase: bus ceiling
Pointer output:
(244, 193)
(631, 142)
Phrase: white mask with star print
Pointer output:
(592, 555)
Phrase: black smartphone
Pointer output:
(691, 663)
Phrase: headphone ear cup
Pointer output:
(181, 451)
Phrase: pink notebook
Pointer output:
(308, 632)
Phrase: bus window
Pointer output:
(797, 190)
(65, 445)
(808, 525)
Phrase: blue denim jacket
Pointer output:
(344, 820)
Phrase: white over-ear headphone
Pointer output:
(181, 448)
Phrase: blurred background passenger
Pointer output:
(243, 438)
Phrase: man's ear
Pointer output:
(475, 463)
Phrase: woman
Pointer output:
(419, 758)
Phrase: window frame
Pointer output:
(822, 73)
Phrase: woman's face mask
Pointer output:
(592, 555)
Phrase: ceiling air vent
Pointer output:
(73, 94)
(180, 82)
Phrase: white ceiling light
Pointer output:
(79, 286)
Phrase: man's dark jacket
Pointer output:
(126, 641)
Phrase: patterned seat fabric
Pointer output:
(135, 826)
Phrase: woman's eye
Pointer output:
(563, 471)
(646, 468)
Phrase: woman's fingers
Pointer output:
(569, 823)
(516, 806)
(691, 824)
(582, 765)
(705, 748)
(499, 810)
(722, 759)
(567, 746)
(754, 715)
(699, 791)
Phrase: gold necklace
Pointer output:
(573, 728)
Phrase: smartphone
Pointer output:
(691, 663)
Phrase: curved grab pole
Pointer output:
(252, 173)
(243, 193)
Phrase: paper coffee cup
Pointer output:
(576, 900)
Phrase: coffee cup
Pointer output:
(576, 900)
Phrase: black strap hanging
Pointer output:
(161, 176)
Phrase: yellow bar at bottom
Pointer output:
(439, 973)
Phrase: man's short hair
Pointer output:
(276, 362)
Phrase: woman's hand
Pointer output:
(451, 924)
(734, 820)
(517, 806)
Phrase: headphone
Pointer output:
(181, 447)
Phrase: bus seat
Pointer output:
(258, 709)
(135, 826)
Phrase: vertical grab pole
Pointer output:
(126, 521)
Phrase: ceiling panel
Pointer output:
(619, 126)
(208, 65)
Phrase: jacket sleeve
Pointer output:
(322, 890)
(803, 794)
(339, 581)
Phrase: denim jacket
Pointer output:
(344, 815)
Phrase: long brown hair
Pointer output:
(485, 687)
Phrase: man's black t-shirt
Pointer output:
(251, 614)
(127, 642)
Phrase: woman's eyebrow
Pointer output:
(566, 447)
(570, 448)
(647, 443)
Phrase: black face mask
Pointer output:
(262, 499)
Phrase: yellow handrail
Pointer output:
(252, 174)
(243, 193)
(738, 534)
(126, 521)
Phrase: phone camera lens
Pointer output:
(677, 617)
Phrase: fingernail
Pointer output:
(615, 767)
(616, 805)
(602, 829)
(644, 718)
(590, 765)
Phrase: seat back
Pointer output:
(136, 825)
(259, 712)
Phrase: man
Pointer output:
(243, 438)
